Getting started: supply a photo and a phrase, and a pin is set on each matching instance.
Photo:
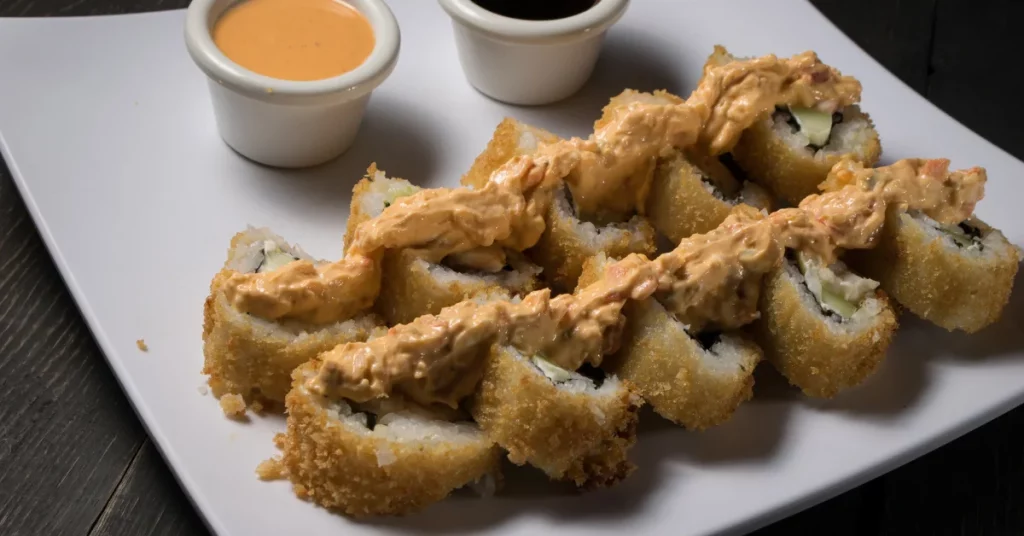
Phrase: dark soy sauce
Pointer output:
(536, 9)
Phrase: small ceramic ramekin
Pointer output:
(285, 123)
(529, 62)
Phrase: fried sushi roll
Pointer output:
(371, 195)
(568, 242)
(791, 151)
(252, 357)
(824, 328)
(688, 199)
(955, 276)
(363, 462)
(512, 138)
(415, 286)
(413, 283)
(694, 381)
(568, 425)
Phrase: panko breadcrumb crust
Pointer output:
(937, 282)
(799, 343)
(241, 358)
(664, 364)
(336, 465)
(412, 290)
(356, 214)
(563, 248)
(794, 173)
(503, 146)
(680, 204)
(580, 437)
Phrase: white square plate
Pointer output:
(107, 129)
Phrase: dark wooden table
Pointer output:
(74, 458)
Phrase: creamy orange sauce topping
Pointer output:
(295, 39)
(710, 279)
(608, 172)
(732, 95)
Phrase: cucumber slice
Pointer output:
(397, 192)
(816, 125)
(553, 372)
(837, 303)
(274, 259)
(829, 294)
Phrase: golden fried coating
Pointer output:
(682, 204)
(570, 431)
(357, 214)
(510, 139)
(254, 358)
(334, 461)
(817, 354)
(929, 275)
(414, 286)
(687, 384)
(683, 382)
(793, 173)
(568, 242)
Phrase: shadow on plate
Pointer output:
(904, 375)
(628, 60)
(899, 383)
(1002, 340)
(412, 152)
(754, 433)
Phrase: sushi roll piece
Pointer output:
(688, 199)
(251, 357)
(824, 328)
(371, 195)
(958, 277)
(570, 426)
(791, 151)
(384, 459)
(568, 241)
(414, 285)
(512, 138)
(696, 381)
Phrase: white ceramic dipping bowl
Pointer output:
(529, 62)
(285, 123)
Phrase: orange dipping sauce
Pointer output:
(294, 39)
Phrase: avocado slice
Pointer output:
(815, 124)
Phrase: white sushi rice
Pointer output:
(864, 318)
(727, 356)
(528, 140)
(403, 426)
(852, 136)
(605, 236)
(247, 255)
(576, 383)
(987, 245)
(521, 276)
(384, 191)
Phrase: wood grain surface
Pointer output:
(75, 460)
